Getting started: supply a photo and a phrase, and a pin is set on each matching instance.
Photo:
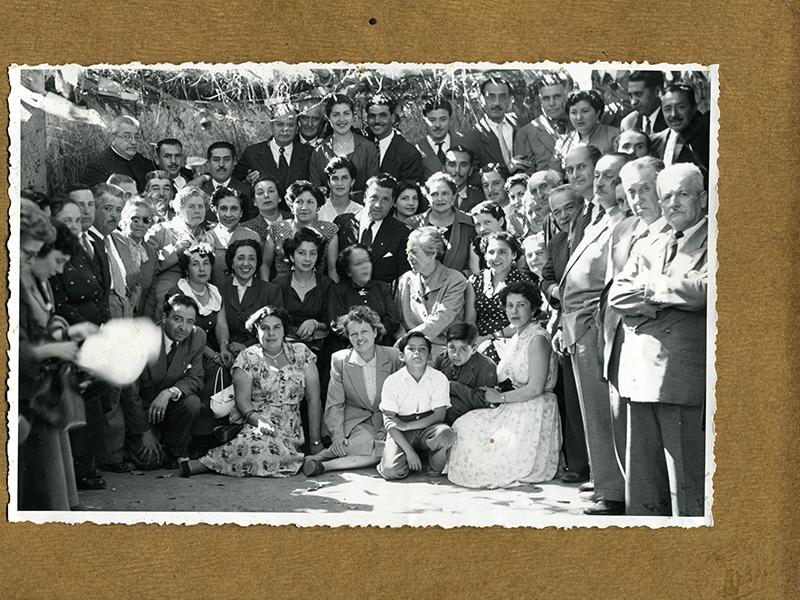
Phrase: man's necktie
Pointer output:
(171, 353)
(87, 245)
(117, 280)
(600, 212)
(636, 238)
(366, 237)
(283, 165)
(648, 129)
(440, 152)
(578, 227)
(503, 146)
(672, 249)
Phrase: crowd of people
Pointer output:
(513, 303)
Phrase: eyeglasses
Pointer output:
(145, 220)
(130, 137)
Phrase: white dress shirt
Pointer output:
(445, 143)
(242, 288)
(383, 145)
(405, 396)
(370, 371)
(364, 221)
(276, 152)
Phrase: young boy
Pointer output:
(466, 369)
(414, 401)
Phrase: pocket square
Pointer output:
(387, 255)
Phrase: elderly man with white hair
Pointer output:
(121, 156)
(662, 293)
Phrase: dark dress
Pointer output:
(313, 306)
(375, 294)
(258, 295)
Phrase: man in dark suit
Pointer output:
(662, 293)
(437, 113)
(565, 204)
(311, 121)
(283, 158)
(384, 235)
(492, 137)
(687, 139)
(644, 89)
(398, 158)
(459, 165)
(166, 394)
(122, 156)
(221, 163)
(536, 141)
(634, 142)
(170, 158)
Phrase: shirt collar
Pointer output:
(355, 359)
(93, 230)
(497, 127)
(687, 233)
(657, 225)
(242, 285)
(445, 142)
(225, 183)
(277, 148)
(384, 143)
(654, 116)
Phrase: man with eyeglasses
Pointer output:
(122, 156)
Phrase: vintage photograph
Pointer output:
(363, 294)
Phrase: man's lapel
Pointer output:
(691, 254)
(590, 235)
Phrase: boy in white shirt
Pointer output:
(414, 401)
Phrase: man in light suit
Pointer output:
(580, 336)
(165, 402)
(374, 227)
(283, 158)
(639, 182)
(221, 164)
(491, 139)
(398, 158)
(644, 89)
(662, 293)
(437, 113)
(536, 142)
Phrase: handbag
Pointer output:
(223, 397)
(225, 433)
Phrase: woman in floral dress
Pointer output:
(270, 380)
(519, 440)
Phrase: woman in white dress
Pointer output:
(518, 441)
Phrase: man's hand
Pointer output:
(66, 351)
(151, 448)
(558, 343)
(81, 331)
(159, 406)
(199, 181)
(339, 447)
(252, 176)
(518, 164)
(414, 463)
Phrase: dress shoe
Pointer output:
(90, 483)
(119, 467)
(605, 507)
(588, 497)
(587, 487)
(169, 463)
(573, 477)
(312, 467)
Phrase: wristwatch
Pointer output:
(176, 393)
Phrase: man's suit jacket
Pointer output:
(259, 294)
(474, 197)
(248, 208)
(430, 162)
(635, 120)
(583, 281)
(484, 143)
(258, 157)
(389, 259)
(108, 162)
(347, 402)
(696, 143)
(663, 357)
(184, 371)
(536, 142)
(402, 161)
(553, 270)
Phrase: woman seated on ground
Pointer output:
(488, 217)
(271, 207)
(410, 201)
(340, 174)
(519, 441)
(352, 417)
(457, 227)
(244, 292)
(305, 291)
(356, 288)
(483, 306)
(140, 259)
(305, 200)
(227, 206)
(173, 238)
(270, 379)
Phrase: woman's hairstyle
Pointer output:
(34, 223)
(300, 186)
(334, 99)
(516, 179)
(527, 289)
(343, 260)
(291, 244)
(65, 241)
(130, 207)
(593, 97)
(360, 314)
(254, 321)
(431, 240)
(408, 184)
(282, 206)
(185, 194)
(502, 236)
(202, 250)
(230, 253)
(498, 168)
(339, 162)
(226, 192)
(38, 198)
(59, 203)
(157, 174)
(462, 332)
(491, 208)
(179, 299)
(444, 177)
